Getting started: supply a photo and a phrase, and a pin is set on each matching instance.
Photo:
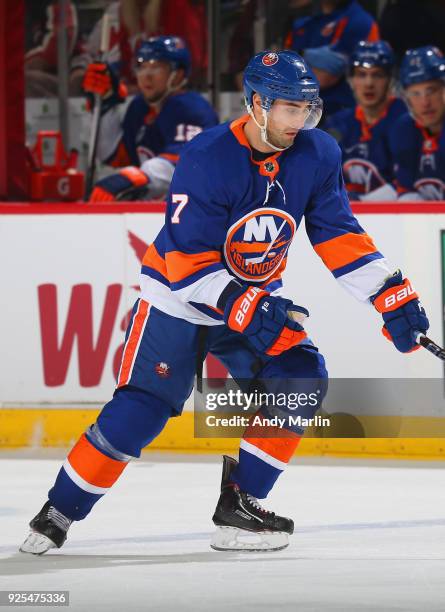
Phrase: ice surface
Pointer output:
(367, 538)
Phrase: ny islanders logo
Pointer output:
(363, 174)
(430, 188)
(257, 243)
(270, 59)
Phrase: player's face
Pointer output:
(427, 102)
(370, 86)
(152, 78)
(284, 120)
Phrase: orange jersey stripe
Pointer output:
(170, 156)
(180, 265)
(121, 157)
(93, 466)
(281, 448)
(132, 343)
(339, 30)
(374, 33)
(154, 260)
(345, 249)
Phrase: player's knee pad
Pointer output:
(298, 362)
(99, 441)
(296, 383)
(131, 420)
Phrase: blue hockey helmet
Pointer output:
(170, 49)
(422, 64)
(369, 54)
(282, 75)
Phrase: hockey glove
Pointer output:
(130, 183)
(402, 312)
(100, 79)
(264, 319)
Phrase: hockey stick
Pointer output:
(431, 346)
(421, 339)
(95, 122)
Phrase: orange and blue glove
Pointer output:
(263, 319)
(130, 183)
(403, 314)
(101, 79)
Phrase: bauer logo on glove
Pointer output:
(264, 319)
(402, 313)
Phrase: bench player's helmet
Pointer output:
(171, 49)
(422, 64)
(369, 54)
(282, 75)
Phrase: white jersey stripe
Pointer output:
(366, 280)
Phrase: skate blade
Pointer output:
(233, 539)
(36, 544)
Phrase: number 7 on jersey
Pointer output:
(181, 200)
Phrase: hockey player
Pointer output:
(363, 132)
(157, 123)
(211, 282)
(327, 39)
(418, 139)
(340, 24)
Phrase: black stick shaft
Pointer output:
(431, 346)
(95, 126)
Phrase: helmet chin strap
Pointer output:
(263, 128)
(169, 88)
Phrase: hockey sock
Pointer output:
(84, 478)
(130, 421)
(264, 454)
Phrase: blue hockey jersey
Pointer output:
(419, 159)
(148, 133)
(366, 154)
(229, 216)
(335, 99)
(344, 28)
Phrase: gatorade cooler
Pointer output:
(59, 180)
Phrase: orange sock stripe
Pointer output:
(281, 448)
(93, 466)
(133, 341)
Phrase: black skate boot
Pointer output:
(241, 521)
(48, 530)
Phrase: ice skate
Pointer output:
(242, 523)
(48, 530)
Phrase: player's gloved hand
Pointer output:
(101, 79)
(130, 183)
(402, 312)
(264, 319)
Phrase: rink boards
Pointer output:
(70, 278)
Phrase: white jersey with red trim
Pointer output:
(230, 217)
